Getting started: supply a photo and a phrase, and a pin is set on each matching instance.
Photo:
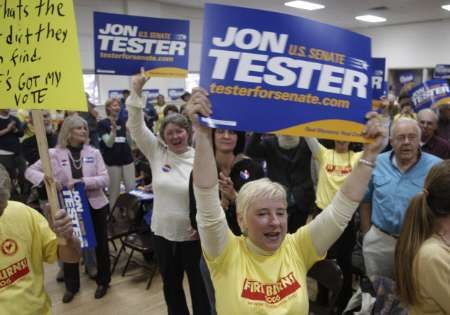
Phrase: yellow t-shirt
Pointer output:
(248, 283)
(432, 269)
(333, 170)
(26, 241)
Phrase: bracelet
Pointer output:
(368, 163)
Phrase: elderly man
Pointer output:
(26, 241)
(431, 143)
(399, 174)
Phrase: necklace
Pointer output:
(76, 163)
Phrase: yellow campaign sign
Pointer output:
(39, 56)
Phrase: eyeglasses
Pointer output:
(410, 137)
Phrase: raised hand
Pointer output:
(375, 133)
(198, 104)
(138, 81)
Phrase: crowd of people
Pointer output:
(243, 215)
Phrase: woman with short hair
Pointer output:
(176, 246)
(74, 160)
(264, 271)
(115, 145)
(422, 254)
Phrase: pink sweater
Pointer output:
(95, 175)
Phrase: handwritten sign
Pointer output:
(271, 72)
(39, 56)
(432, 93)
(76, 204)
(124, 43)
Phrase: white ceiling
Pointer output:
(342, 12)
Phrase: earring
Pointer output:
(244, 232)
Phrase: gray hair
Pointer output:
(405, 120)
(255, 190)
(70, 123)
(429, 111)
(179, 120)
(5, 183)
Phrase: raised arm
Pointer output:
(144, 137)
(314, 145)
(331, 222)
(211, 221)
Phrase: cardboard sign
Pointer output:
(379, 86)
(271, 72)
(39, 56)
(77, 207)
(124, 43)
(430, 94)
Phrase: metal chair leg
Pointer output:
(128, 262)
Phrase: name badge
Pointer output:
(88, 159)
(120, 140)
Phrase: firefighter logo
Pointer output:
(9, 247)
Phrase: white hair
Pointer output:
(405, 121)
(257, 189)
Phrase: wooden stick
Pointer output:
(41, 138)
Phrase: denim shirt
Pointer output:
(391, 190)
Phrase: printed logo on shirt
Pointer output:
(338, 170)
(271, 293)
(9, 247)
(64, 163)
(12, 273)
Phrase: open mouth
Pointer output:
(272, 236)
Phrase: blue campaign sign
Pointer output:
(115, 94)
(151, 95)
(379, 86)
(271, 72)
(175, 94)
(406, 77)
(441, 72)
(76, 204)
(430, 94)
(124, 43)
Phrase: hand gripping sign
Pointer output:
(77, 207)
(271, 72)
(40, 66)
(124, 43)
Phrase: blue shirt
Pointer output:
(390, 190)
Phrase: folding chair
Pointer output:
(122, 221)
(328, 274)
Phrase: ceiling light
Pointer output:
(370, 18)
(305, 5)
(446, 7)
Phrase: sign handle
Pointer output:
(39, 129)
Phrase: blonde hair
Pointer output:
(70, 123)
(257, 189)
(108, 104)
(420, 220)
